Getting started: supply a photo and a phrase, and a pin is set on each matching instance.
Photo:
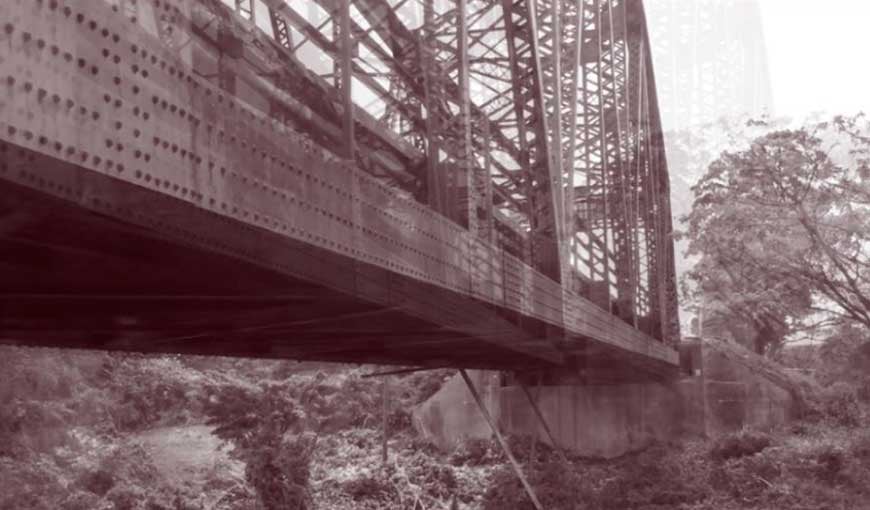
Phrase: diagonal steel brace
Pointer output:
(504, 446)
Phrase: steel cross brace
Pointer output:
(404, 44)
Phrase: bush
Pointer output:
(829, 463)
(398, 420)
(264, 425)
(476, 452)
(840, 404)
(126, 497)
(434, 478)
(521, 448)
(740, 444)
(280, 476)
(860, 448)
(98, 482)
(368, 487)
(417, 387)
(80, 500)
(557, 486)
(662, 476)
(748, 477)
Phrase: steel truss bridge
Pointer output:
(464, 183)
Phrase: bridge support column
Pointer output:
(593, 420)
(724, 387)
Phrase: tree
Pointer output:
(690, 151)
(783, 231)
(265, 426)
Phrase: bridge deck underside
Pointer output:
(77, 278)
(96, 273)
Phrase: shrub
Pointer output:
(557, 486)
(840, 405)
(126, 497)
(280, 474)
(331, 406)
(150, 391)
(368, 487)
(80, 500)
(740, 444)
(863, 389)
(829, 463)
(417, 387)
(98, 482)
(521, 448)
(398, 420)
(476, 452)
(748, 478)
(424, 446)
(859, 449)
(260, 423)
(662, 476)
(436, 479)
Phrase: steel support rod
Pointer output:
(384, 393)
(504, 446)
(540, 416)
(401, 371)
(532, 455)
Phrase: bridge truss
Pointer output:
(531, 123)
(508, 152)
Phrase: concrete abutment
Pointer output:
(715, 394)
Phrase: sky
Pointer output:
(818, 55)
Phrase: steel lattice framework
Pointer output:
(535, 122)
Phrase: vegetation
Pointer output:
(782, 230)
(822, 467)
(96, 430)
(99, 431)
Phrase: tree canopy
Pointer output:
(783, 231)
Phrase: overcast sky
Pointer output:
(818, 54)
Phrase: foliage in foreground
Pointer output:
(824, 467)
(312, 439)
(72, 425)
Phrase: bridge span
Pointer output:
(464, 183)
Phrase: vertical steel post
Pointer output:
(347, 79)
(605, 166)
(466, 160)
(434, 178)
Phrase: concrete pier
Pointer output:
(717, 394)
